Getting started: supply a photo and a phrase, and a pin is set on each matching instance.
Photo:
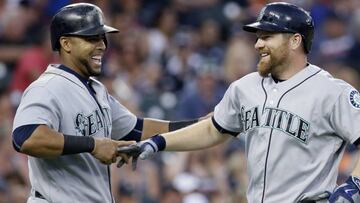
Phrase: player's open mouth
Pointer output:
(96, 59)
(264, 55)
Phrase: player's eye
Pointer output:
(94, 38)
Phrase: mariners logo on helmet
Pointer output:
(355, 99)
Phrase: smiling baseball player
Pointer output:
(296, 118)
(67, 122)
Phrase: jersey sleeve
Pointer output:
(345, 117)
(227, 112)
(38, 106)
(123, 121)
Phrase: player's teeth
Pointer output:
(96, 58)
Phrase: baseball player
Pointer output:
(296, 118)
(67, 122)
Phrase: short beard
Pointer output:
(90, 71)
(275, 62)
(264, 68)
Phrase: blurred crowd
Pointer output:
(173, 59)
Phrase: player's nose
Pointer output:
(259, 43)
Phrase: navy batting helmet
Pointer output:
(287, 18)
(80, 19)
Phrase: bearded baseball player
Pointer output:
(67, 122)
(296, 118)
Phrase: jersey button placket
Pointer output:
(273, 95)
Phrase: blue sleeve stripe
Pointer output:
(139, 124)
(133, 135)
(223, 130)
(21, 134)
(357, 142)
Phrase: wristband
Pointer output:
(78, 144)
(175, 125)
(159, 141)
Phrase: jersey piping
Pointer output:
(87, 84)
(269, 143)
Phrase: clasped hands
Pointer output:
(143, 150)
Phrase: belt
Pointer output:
(39, 195)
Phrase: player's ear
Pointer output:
(295, 41)
(65, 43)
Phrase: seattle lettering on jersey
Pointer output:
(277, 119)
(88, 125)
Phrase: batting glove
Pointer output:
(349, 192)
(151, 146)
(144, 149)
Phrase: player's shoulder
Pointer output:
(251, 78)
(327, 81)
(43, 81)
(55, 80)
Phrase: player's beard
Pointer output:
(90, 68)
(274, 61)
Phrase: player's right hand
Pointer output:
(105, 150)
(144, 149)
(148, 149)
(349, 192)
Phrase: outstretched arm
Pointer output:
(45, 142)
(356, 171)
(147, 127)
(194, 137)
(197, 136)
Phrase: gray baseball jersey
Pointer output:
(295, 131)
(61, 101)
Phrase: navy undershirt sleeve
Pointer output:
(357, 142)
(21, 134)
(223, 130)
(135, 134)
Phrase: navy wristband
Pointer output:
(159, 141)
(78, 144)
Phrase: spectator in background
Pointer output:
(170, 194)
(181, 61)
(337, 41)
(159, 37)
(239, 58)
(30, 65)
(210, 44)
(353, 57)
(201, 97)
(14, 37)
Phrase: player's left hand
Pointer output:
(349, 192)
(131, 151)
(143, 150)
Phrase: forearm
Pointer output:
(356, 171)
(154, 126)
(197, 136)
(44, 142)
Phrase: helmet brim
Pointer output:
(265, 26)
(99, 30)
